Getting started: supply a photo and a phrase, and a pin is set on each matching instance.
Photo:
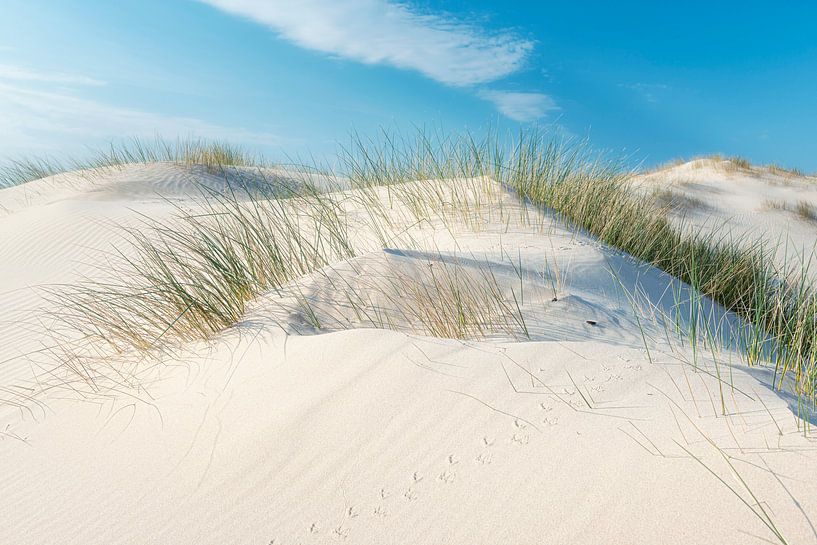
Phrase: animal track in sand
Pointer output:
(417, 477)
(340, 532)
(410, 494)
(484, 458)
(545, 407)
(380, 511)
(447, 477)
(520, 438)
(519, 424)
(488, 441)
(553, 421)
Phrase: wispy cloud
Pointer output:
(35, 120)
(20, 73)
(440, 47)
(521, 106)
(648, 91)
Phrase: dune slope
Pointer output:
(591, 423)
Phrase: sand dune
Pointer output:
(745, 203)
(598, 425)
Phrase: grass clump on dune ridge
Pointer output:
(194, 276)
(451, 301)
(20, 171)
(732, 163)
(803, 209)
(677, 201)
(440, 295)
(784, 171)
(211, 154)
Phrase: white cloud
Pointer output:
(36, 121)
(450, 51)
(19, 73)
(521, 106)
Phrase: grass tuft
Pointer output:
(192, 277)
(802, 209)
(214, 155)
(677, 201)
(805, 210)
(20, 171)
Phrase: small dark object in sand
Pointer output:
(591, 322)
(554, 299)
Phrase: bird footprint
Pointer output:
(447, 476)
(340, 532)
(484, 458)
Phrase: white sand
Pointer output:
(373, 436)
(736, 202)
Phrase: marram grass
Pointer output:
(212, 154)
(778, 300)
(194, 277)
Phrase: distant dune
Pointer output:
(745, 203)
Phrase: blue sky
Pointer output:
(651, 80)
